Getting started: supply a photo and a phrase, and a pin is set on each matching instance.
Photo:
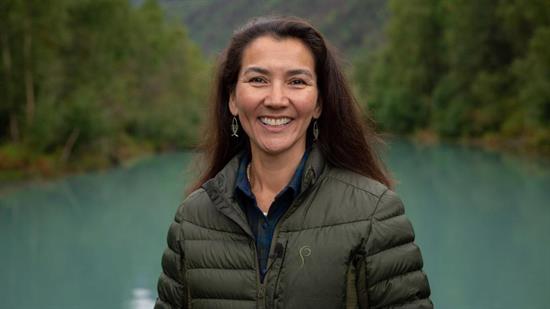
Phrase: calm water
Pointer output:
(95, 241)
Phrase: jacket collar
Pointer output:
(221, 188)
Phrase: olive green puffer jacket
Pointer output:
(344, 243)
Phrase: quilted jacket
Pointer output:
(344, 243)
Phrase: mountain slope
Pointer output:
(347, 24)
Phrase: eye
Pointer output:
(298, 82)
(257, 80)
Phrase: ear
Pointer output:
(318, 110)
(232, 105)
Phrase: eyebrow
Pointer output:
(300, 71)
(257, 70)
(290, 72)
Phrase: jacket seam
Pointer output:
(356, 187)
(397, 246)
(405, 303)
(211, 239)
(374, 212)
(223, 298)
(395, 214)
(398, 276)
(209, 228)
(172, 281)
(327, 225)
(219, 268)
(369, 233)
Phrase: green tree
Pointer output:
(405, 71)
(464, 68)
(93, 77)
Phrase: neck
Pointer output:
(269, 174)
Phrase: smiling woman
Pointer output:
(275, 99)
(294, 209)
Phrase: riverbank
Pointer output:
(531, 146)
(19, 164)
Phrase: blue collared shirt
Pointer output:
(262, 226)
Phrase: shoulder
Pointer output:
(195, 203)
(201, 212)
(380, 201)
(355, 181)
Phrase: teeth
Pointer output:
(274, 121)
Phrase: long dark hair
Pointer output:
(345, 139)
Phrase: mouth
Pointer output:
(276, 122)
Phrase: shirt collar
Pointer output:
(243, 184)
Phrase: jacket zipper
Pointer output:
(294, 204)
(261, 286)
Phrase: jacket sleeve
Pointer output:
(171, 284)
(393, 263)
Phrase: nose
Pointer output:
(277, 96)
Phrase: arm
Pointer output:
(170, 287)
(394, 264)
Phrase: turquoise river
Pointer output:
(482, 220)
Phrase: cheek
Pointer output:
(307, 103)
(246, 101)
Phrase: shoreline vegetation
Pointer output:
(18, 166)
(89, 84)
(92, 84)
(512, 146)
(472, 71)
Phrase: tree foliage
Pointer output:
(463, 68)
(91, 76)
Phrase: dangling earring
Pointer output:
(234, 127)
(315, 130)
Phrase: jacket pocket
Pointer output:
(351, 291)
(356, 285)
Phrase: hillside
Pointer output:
(348, 25)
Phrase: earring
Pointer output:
(315, 130)
(234, 127)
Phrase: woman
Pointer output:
(293, 210)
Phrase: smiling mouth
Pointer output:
(275, 121)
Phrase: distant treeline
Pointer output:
(89, 83)
(94, 81)
(467, 69)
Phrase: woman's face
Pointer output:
(276, 95)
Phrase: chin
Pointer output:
(274, 150)
(277, 147)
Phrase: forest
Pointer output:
(89, 84)
(467, 70)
